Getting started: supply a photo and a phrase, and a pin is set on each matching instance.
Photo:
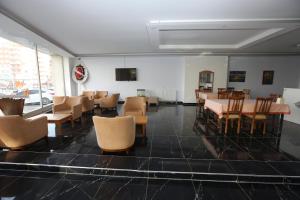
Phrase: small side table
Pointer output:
(58, 119)
(153, 100)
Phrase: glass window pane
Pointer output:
(19, 74)
(51, 74)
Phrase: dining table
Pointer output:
(219, 107)
(214, 95)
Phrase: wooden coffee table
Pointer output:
(58, 119)
(142, 121)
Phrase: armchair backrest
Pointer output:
(89, 94)
(100, 94)
(135, 103)
(59, 99)
(114, 133)
(74, 100)
(12, 106)
(115, 98)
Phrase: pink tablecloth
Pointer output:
(212, 95)
(219, 106)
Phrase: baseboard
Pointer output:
(189, 104)
(162, 102)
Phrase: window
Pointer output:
(27, 73)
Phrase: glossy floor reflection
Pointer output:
(33, 186)
(179, 153)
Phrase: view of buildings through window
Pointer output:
(21, 77)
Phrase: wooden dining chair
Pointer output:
(223, 95)
(274, 96)
(234, 112)
(222, 90)
(261, 112)
(230, 89)
(238, 94)
(199, 101)
(247, 91)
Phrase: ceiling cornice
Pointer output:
(189, 54)
(34, 30)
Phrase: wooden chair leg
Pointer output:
(252, 126)
(264, 129)
(226, 126)
(239, 126)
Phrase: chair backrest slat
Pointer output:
(223, 95)
(235, 105)
(263, 105)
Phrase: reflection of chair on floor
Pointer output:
(115, 134)
(16, 132)
(260, 113)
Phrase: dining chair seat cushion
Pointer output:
(258, 117)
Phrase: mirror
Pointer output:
(206, 81)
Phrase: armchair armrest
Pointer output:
(59, 107)
(38, 126)
(76, 111)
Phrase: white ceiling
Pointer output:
(96, 27)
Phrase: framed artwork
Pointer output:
(237, 76)
(268, 77)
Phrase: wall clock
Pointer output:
(79, 73)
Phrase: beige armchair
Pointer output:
(12, 106)
(59, 99)
(99, 95)
(109, 101)
(17, 132)
(115, 134)
(89, 94)
(71, 105)
(87, 104)
(134, 106)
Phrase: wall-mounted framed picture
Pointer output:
(268, 77)
(237, 76)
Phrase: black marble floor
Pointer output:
(180, 157)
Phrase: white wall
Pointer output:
(160, 75)
(286, 75)
(196, 64)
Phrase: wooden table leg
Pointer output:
(144, 130)
(58, 127)
(220, 125)
(280, 125)
(72, 122)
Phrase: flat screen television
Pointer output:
(125, 74)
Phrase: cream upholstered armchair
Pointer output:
(87, 104)
(134, 106)
(71, 105)
(59, 99)
(17, 132)
(89, 94)
(109, 102)
(10, 106)
(115, 134)
(99, 95)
